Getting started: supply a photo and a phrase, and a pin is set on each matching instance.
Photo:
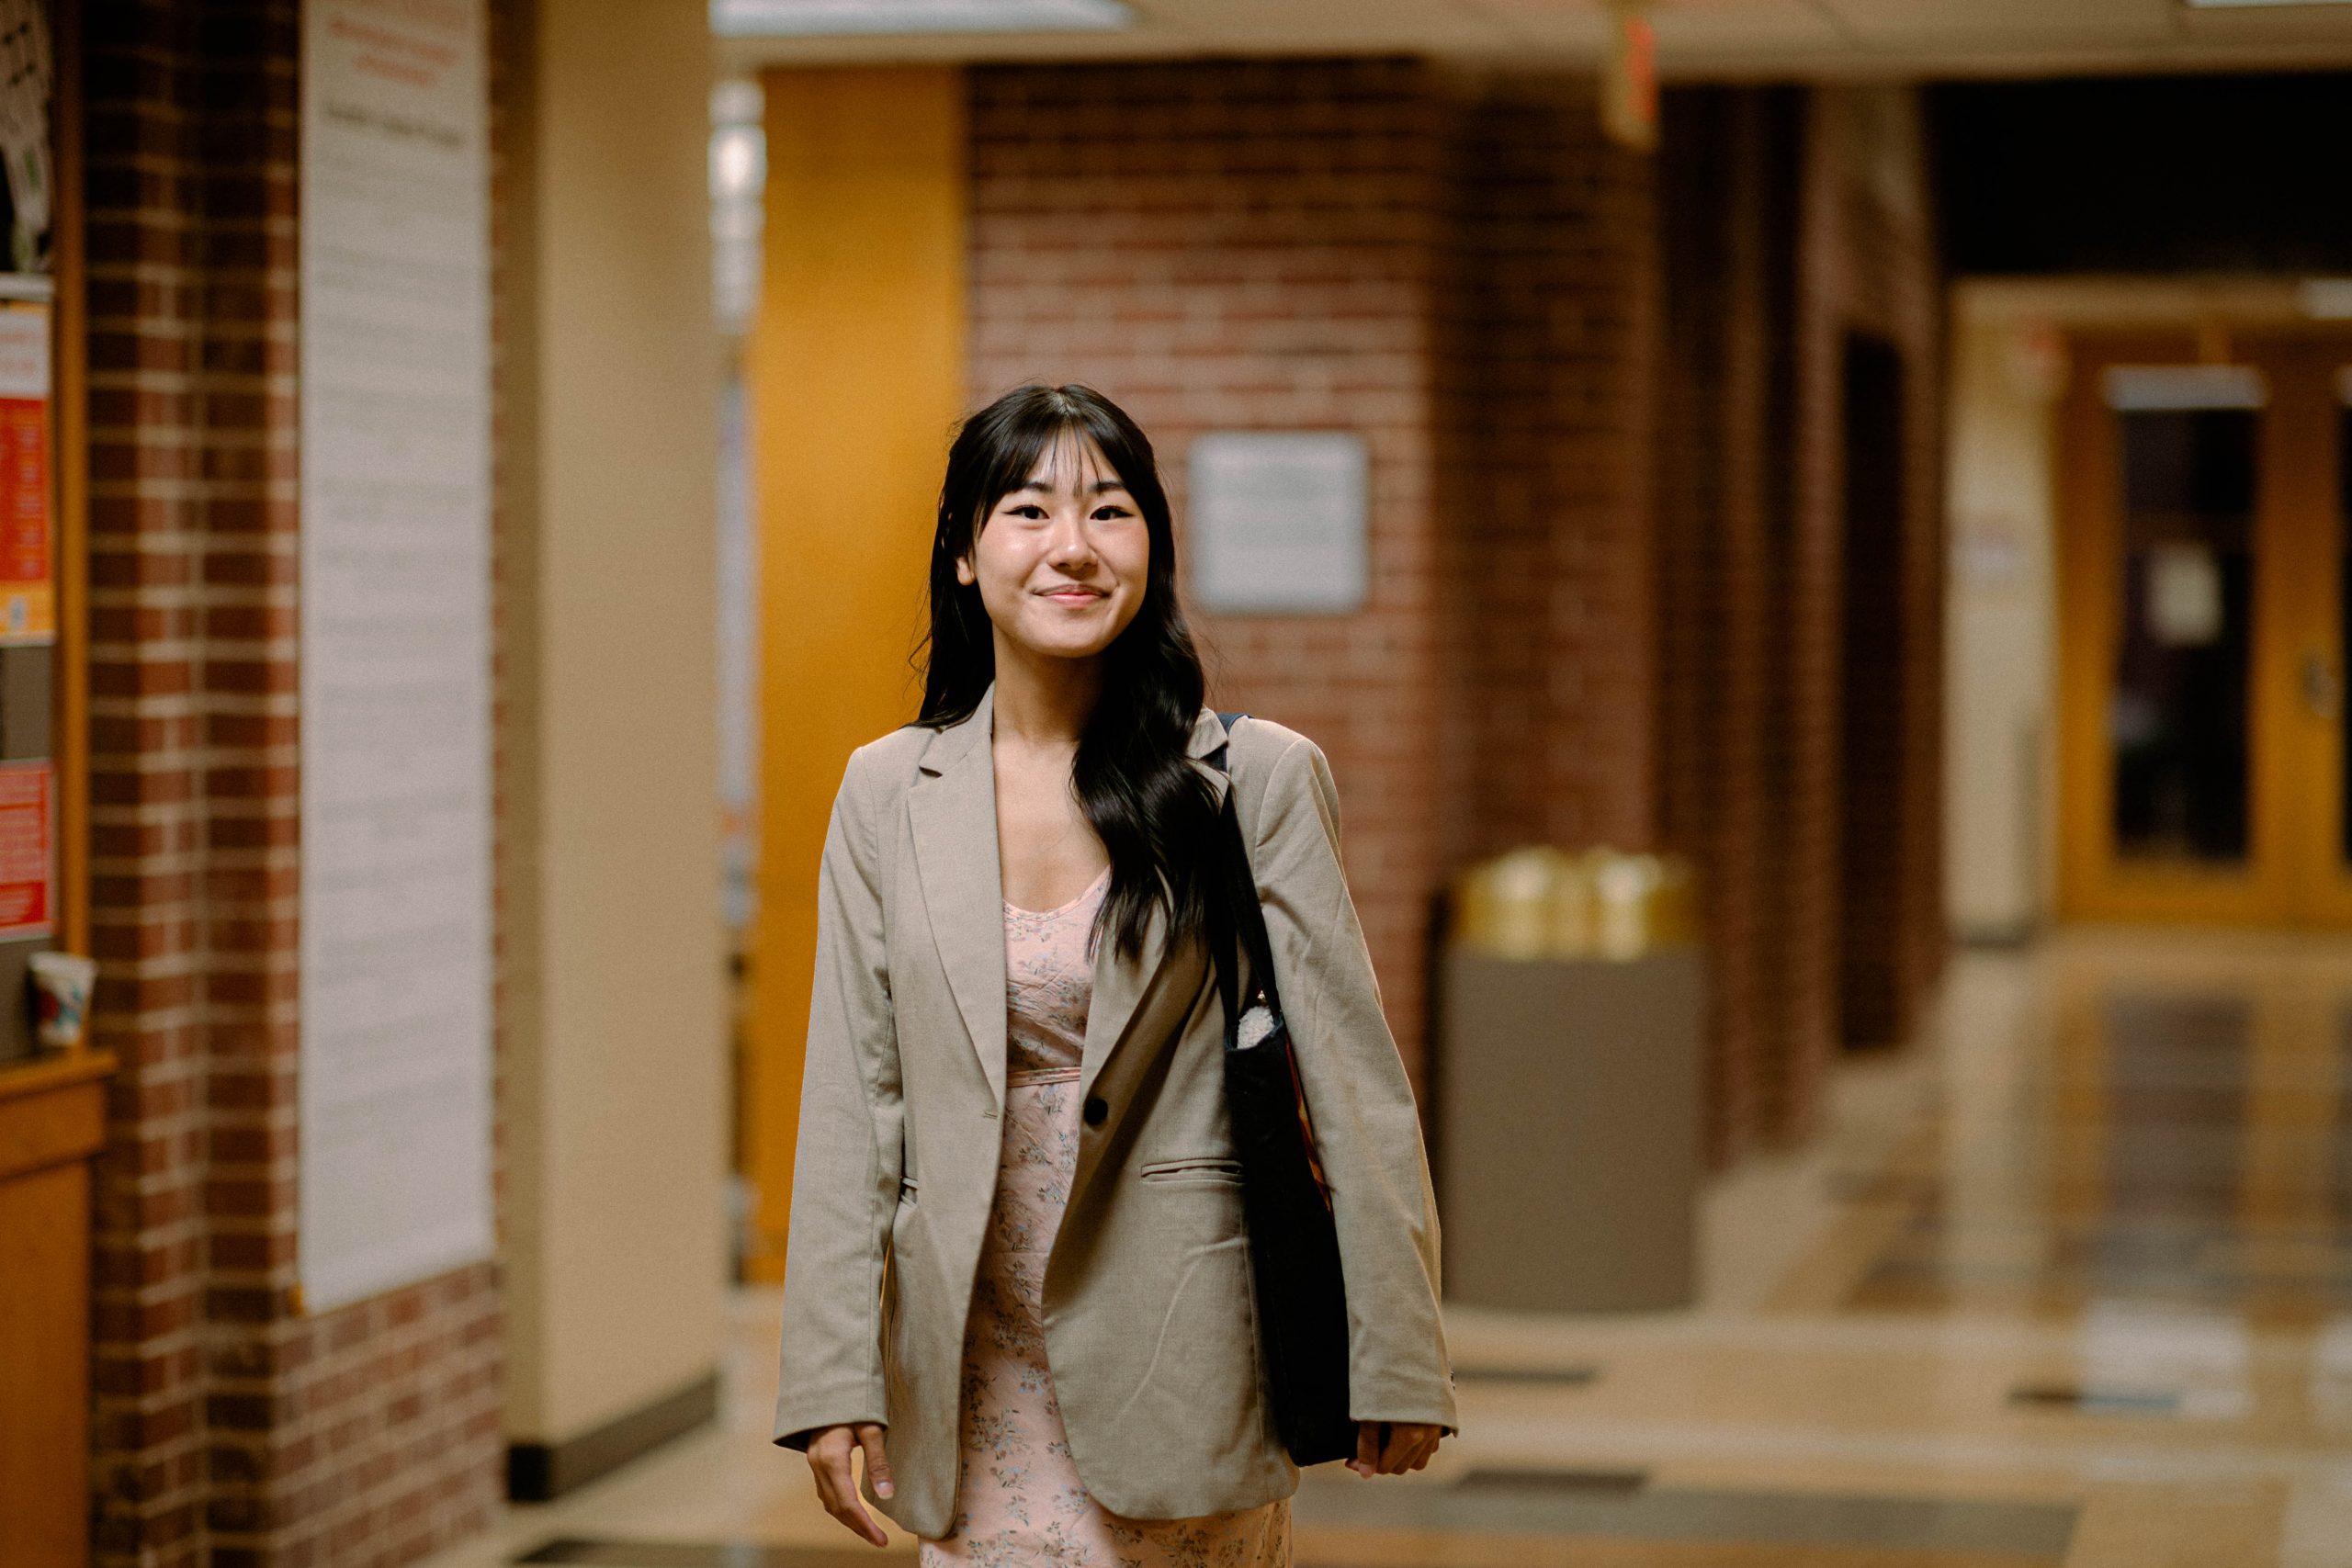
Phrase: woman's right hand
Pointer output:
(837, 1488)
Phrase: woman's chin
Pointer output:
(1089, 651)
(1066, 643)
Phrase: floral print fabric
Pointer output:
(1018, 1500)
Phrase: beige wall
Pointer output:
(2001, 621)
(615, 1059)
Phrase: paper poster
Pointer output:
(28, 602)
(27, 849)
(395, 1063)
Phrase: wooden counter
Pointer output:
(52, 1119)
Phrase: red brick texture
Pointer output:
(1718, 385)
(1867, 266)
(229, 1429)
(1798, 772)
(1250, 245)
(1544, 509)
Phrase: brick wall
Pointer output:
(1798, 775)
(1460, 270)
(1723, 159)
(1250, 245)
(1545, 508)
(1869, 269)
(229, 1427)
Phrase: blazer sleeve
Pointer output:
(845, 1170)
(1367, 1131)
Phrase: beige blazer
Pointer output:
(1147, 1292)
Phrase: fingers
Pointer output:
(1391, 1447)
(877, 1462)
(836, 1488)
(1408, 1447)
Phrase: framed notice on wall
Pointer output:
(1277, 522)
(395, 1165)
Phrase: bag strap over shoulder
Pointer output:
(1218, 758)
(1241, 885)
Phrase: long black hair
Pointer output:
(1152, 809)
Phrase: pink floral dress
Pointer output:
(1019, 1501)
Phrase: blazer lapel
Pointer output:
(953, 812)
(1120, 986)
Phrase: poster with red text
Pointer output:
(27, 857)
(28, 603)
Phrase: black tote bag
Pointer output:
(1293, 1241)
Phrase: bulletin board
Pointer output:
(395, 1054)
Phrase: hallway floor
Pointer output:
(2067, 1286)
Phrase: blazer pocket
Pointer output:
(1193, 1168)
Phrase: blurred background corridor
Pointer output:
(1815, 535)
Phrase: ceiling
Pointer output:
(1696, 39)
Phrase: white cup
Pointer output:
(61, 983)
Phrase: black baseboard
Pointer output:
(539, 1472)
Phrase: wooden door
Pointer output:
(2202, 586)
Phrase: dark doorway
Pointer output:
(1871, 709)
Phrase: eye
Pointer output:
(1028, 509)
(1109, 511)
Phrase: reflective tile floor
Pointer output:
(2067, 1285)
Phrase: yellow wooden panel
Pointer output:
(53, 1111)
(52, 1121)
(2309, 587)
(855, 375)
(44, 1365)
(2085, 545)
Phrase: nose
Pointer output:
(1069, 544)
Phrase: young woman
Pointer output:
(1016, 1238)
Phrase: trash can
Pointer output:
(1570, 1089)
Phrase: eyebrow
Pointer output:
(1100, 487)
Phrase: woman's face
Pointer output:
(1062, 560)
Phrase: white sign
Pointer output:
(24, 351)
(395, 1168)
(1277, 522)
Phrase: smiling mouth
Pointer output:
(1072, 593)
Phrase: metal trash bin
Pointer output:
(1570, 1088)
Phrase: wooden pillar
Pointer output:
(856, 378)
(52, 1120)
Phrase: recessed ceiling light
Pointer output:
(817, 19)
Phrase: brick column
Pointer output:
(1551, 329)
(1717, 252)
(230, 1428)
(1865, 261)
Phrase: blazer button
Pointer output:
(1096, 1109)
